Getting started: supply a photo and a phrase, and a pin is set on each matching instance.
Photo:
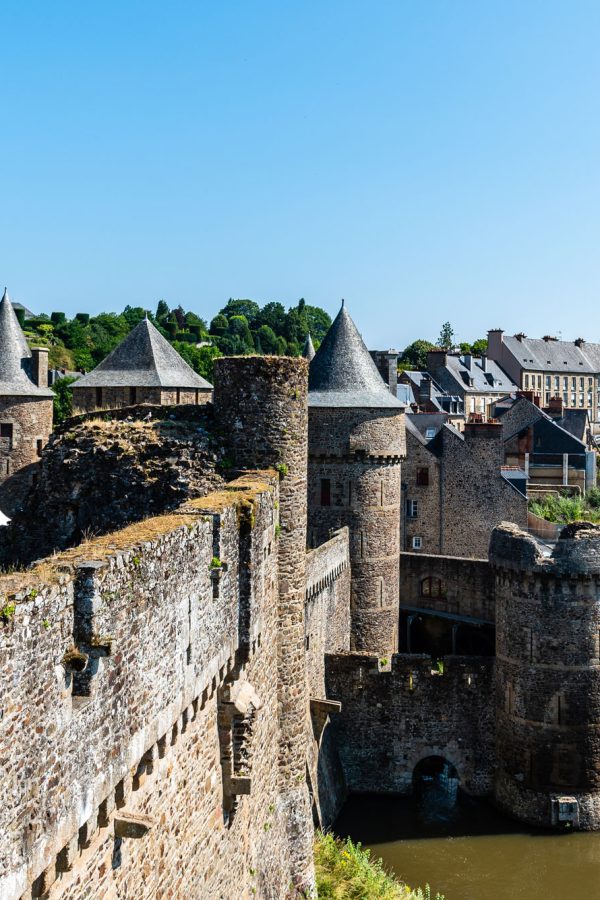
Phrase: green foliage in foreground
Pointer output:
(345, 871)
(563, 508)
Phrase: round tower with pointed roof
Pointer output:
(144, 368)
(25, 409)
(356, 442)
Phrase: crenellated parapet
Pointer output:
(141, 700)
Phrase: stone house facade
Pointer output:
(454, 492)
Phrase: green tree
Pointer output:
(446, 338)
(247, 308)
(219, 324)
(267, 339)
(273, 314)
(318, 323)
(479, 347)
(201, 359)
(162, 311)
(63, 399)
(239, 327)
(415, 355)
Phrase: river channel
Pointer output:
(472, 852)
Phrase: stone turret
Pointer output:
(547, 690)
(144, 368)
(260, 405)
(356, 442)
(25, 409)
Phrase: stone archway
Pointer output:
(435, 783)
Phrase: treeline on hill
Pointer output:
(241, 327)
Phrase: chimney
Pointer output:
(484, 362)
(579, 342)
(387, 366)
(39, 366)
(528, 395)
(436, 359)
(521, 336)
(495, 344)
(555, 407)
(468, 361)
(485, 440)
(424, 390)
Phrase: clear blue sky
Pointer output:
(425, 160)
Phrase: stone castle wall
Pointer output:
(449, 584)
(31, 421)
(327, 614)
(159, 681)
(397, 712)
(150, 727)
(90, 399)
(547, 690)
(261, 409)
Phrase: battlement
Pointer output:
(120, 656)
(576, 553)
(399, 710)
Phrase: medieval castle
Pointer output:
(210, 635)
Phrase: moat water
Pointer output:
(472, 852)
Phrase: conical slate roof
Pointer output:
(144, 359)
(342, 372)
(15, 356)
(309, 349)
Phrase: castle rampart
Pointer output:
(261, 408)
(397, 711)
(547, 689)
(141, 701)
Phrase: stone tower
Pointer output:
(356, 441)
(548, 676)
(261, 405)
(25, 409)
(144, 368)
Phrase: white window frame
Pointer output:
(417, 543)
(412, 509)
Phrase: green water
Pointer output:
(474, 853)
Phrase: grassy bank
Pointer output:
(346, 871)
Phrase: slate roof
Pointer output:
(554, 356)
(343, 373)
(309, 348)
(15, 357)
(144, 359)
(456, 374)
